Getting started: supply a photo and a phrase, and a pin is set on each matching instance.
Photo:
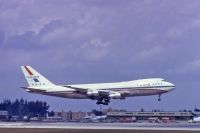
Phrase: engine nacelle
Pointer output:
(115, 96)
(93, 93)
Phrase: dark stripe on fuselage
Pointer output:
(136, 88)
(153, 86)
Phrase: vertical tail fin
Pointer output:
(34, 78)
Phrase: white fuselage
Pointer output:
(141, 87)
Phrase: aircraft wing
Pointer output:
(96, 93)
(85, 90)
(78, 89)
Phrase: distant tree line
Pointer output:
(25, 108)
(196, 110)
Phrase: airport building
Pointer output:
(71, 116)
(3, 115)
(149, 116)
(129, 116)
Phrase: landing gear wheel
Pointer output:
(99, 102)
(103, 100)
(105, 103)
(159, 97)
(106, 100)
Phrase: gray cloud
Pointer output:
(2, 37)
(102, 41)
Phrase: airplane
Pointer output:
(102, 92)
(195, 120)
(94, 118)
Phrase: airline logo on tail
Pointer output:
(31, 75)
(34, 78)
(29, 71)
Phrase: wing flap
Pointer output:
(77, 88)
(86, 90)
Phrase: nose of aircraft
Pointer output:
(171, 86)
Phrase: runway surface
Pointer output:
(8, 127)
(66, 125)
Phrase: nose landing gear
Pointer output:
(159, 97)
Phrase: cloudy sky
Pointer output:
(87, 41)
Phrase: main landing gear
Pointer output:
(103, 100)
(159, 97)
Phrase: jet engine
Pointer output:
(115, 95)
(93, 93)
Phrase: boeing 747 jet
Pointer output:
(102, 92)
